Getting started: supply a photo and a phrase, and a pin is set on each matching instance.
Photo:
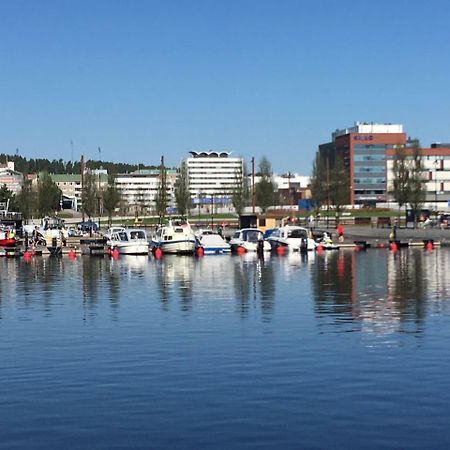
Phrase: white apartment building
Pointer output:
(139, 189)
(213, 176)
(70, 185)
(10, 177)
(286, 181)
(436, 165)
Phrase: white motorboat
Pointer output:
(248, 239)
(292, 237)
(212, 242)
(110, 231)
(326, 243)
(176, 237)
(131, 241)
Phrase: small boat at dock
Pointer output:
(247, 239)
(131, 241)
(176, 237)
(212, 242)
(291, 237)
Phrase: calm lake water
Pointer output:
(344, 350)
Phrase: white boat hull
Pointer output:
(292, 244)
(249, 246)
(131, 248)
(177, 247)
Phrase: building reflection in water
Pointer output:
(378, 291)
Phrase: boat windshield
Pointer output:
(299, 234)
(122, 236)
(137, 234)
(251, 235)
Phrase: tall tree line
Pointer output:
(59, 166)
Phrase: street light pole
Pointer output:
(435, 186)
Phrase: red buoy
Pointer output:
(158, 253)
(393, 247)
(115, 253)
(26, 255)
(71, 254)
(280, 250)
(429, 246)
(319, 248)
(240, 250)
(200, 251)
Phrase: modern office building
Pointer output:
(363, 152)
(213, 176)
(436, 172)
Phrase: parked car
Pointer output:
(73, 232)
(87, 226)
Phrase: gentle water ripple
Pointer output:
(340, 350)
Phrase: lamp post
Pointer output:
(436, 162)
(212, 211)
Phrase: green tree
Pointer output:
(318, 184)
(241, 192)
(182, 193)
(161, 194)
(265, 189)
(111, 198)
(338, 185)
(89, 194)
(26, 200)
(416, 182)
(6, 195)
(400, 174)
(48, 195)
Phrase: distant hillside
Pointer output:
(58, 166)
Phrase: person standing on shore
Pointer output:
(340, 232)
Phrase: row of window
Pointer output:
(368, 158)
(369, 180)
(371, 169)
(376, 147)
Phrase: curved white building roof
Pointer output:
(210, 154)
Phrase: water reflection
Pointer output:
(378, 292)
(374, 292)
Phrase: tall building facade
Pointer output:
(213, 176)
(363, 151)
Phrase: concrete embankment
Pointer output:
(377, 236)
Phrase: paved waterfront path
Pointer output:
(360, 233)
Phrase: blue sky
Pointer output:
(146, 78)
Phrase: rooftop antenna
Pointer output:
(71, 148)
